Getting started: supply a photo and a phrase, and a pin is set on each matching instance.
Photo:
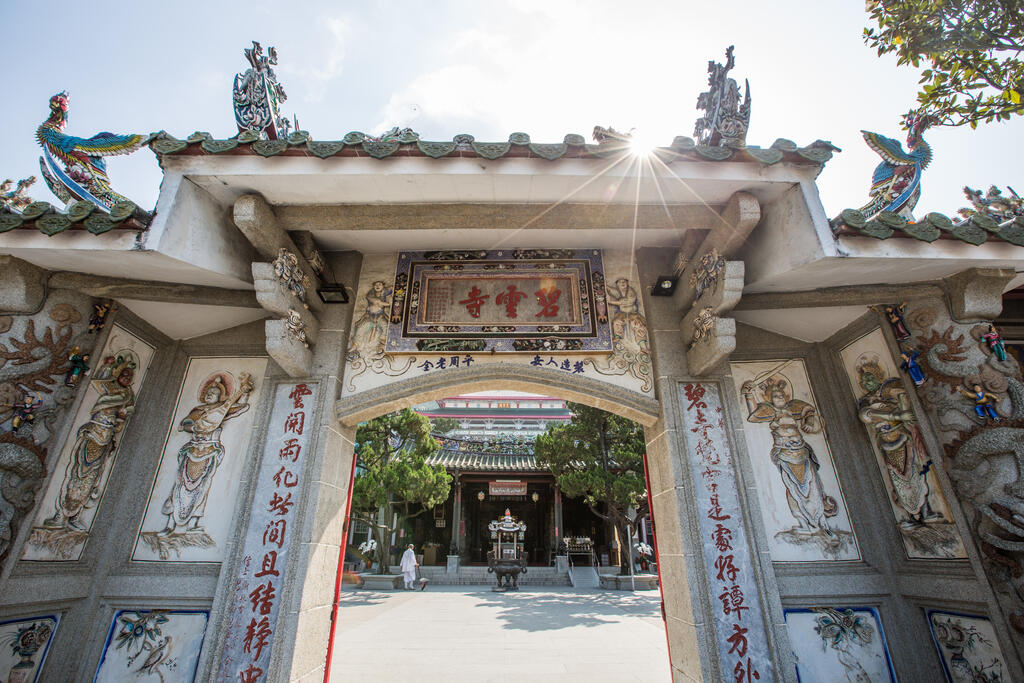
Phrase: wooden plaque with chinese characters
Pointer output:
(503, 301)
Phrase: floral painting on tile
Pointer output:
(802, 503)
(23, 647)
(152, 645)
(204, 456)
(968, 647)
(922, 514)
(67, 508)
(839, 644)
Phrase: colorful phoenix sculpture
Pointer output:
(73, 167)
(896, 182)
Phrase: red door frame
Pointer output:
(341, 570)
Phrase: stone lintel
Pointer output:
(498, 216)
(847, 295)
(707, 353)
(731, 229)
(257, 221)
(977, 293)
(103, 287)
(22, 286)
(287, 351)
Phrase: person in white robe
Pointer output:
(408, 566)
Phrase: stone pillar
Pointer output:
(302, 628)
(559, 526)
(453, 557)
(683, 508)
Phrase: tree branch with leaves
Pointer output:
(971, 50)
(599, 457)
(392, 475)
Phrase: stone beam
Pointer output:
(103, 287)
(563, 216)
(977, 293)
(729, 232)
(257, 221)
(22, 286)
(719, 340)
(852, 295)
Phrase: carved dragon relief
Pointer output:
(985, 456)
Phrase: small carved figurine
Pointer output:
(24, 412)
(705, 276)
(296, 327)
(703, 324)
(15, 198)
(995, 342)
(79, 366)
(984, 402)
(899, 326)
(911, 367)
(99, 317)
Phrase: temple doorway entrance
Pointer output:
(573, 611)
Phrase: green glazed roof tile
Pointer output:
(876, 229)
(1013, 233)
(269, 148)
(218, 146)
(10, 221)
(53, 223)
(549, 152)
(967, 232)
(436, 150)
(378, 149)
(99, 224)
(324, 149)
(491, 150)
(923, 230)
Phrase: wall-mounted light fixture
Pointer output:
(332, 292)
(480, 496)
(665, 286)
(535, 497)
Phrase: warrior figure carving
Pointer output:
(199, 458)
(789, 419)
(886, 411)
(95, 440)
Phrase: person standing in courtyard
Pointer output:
(409, 565)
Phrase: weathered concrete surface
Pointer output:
(21, 286)
(977, 293)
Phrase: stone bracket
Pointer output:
(977, 293)
(719, 339)
(294, 357)
(257, 221)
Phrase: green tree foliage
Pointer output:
(598, 456)
(971, 48)
(392, 474)
(443, 425)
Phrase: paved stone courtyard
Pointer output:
(469, 633)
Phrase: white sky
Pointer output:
(544, 67)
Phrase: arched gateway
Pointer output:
(833, 428)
